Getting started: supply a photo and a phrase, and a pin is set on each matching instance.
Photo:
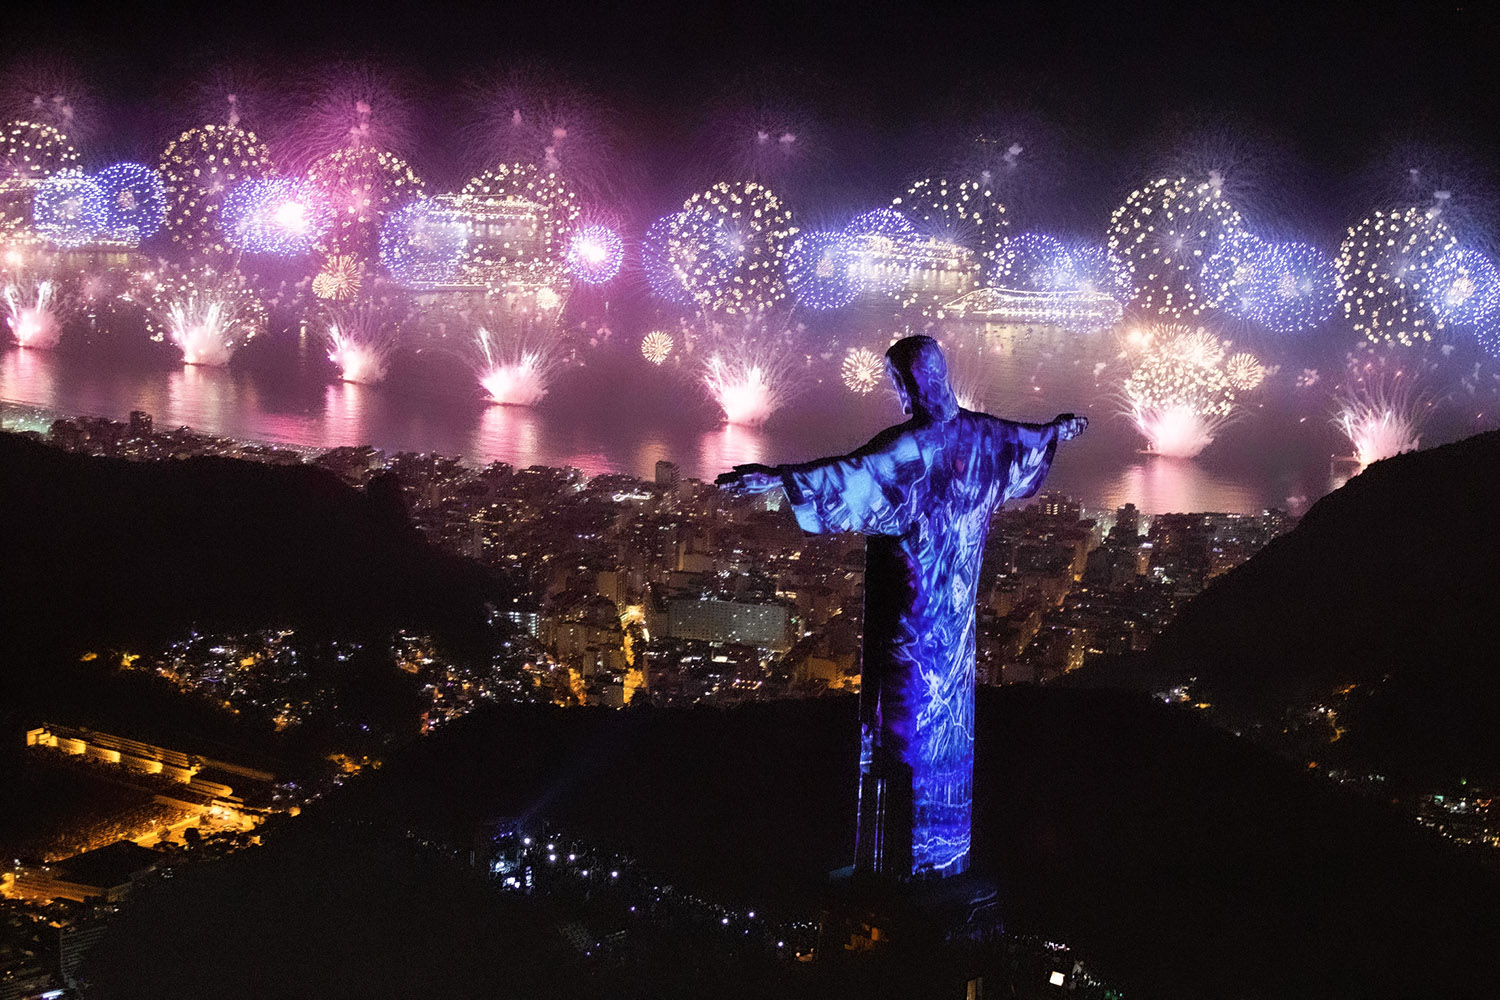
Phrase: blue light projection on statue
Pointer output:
(923, 491)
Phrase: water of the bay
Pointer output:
(616, 413)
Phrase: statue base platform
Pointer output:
(864, 913)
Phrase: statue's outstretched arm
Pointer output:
(1063, 427)
(864, 491)
(1030, 457)
(747, 480)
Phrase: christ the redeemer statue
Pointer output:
(923, 491)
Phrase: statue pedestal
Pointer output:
(918, 938)
(863, 914)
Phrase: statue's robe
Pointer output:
(924, 492)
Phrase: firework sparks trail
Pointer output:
(31, 313)
(753, 377)
(350, 106)
(360, 343)
(513, 372)
(207, 314)
(533, 115)
(1380, 407)
(1182, 392)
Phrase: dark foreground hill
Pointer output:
(1182, 861)
(109, 551)
(1391, 583)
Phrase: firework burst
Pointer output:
(208, 314)
(199, 168)
(48, 88)
(30, 153)
(961, 213)
(531, 115)
(1445, 179)
(32, 312)
(656, 347)
(1091, 269)
(1381, 406)
(281, 216)
(514, 369)
(1034, 262)
(135, 202)
(339, 279)
(68, 209)
(819, 270)
(360, 341)
(365, 186)
(863, 370)
(1386, 263)
(1289, 288)
(753, 374)
(1245, 371)
(886, 223)
(423, 243)
(1180, 392)
(659, 262)
(746, 392)
(729, 245)
(355, 105)
(1464, 287)
(759, 130)
(1167, 231)
(521, 219)
(595, 254)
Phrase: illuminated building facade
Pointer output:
(767, 626)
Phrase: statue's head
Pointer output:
(920, 374)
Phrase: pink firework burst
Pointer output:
(31, 309)
(514, 369)
(360, 342)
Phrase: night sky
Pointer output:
(1330, 78)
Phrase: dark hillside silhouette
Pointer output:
(1186, 862)
(1391, 583)
(104, 550)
